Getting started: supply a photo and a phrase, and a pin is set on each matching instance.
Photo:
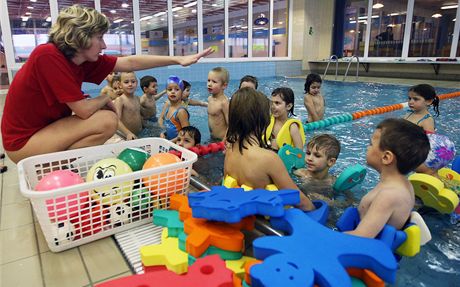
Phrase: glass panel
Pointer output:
(213, 27)
(355, 28)
(154, 27)
(120, 37)
(260, 26)
(432, 29)
(185, 28)
(458, 47)
(387, 29)
(280, 28)
(30, 23)
(238, 28)
(66, 3)
(4, 83)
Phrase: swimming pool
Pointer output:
(438, 264)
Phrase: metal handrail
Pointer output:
(336, 65)
(348, 67)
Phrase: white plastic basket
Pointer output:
(74, 215)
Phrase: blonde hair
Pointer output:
(74, 28)
(223, 74)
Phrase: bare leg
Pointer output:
(69, 133)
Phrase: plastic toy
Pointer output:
(106, 169)
(368, 277)
(432, 192)
(169, 219)
(120, 214)
(247, 267)
(237, 266)
(209, 271)
(232, 204)
(201, 150)
(450, 178)
(313, 253)
(63, 232)
(202, 234)
(140, 199)
(179, 202)
(134, 157)
(90, 221)
(223, 254)
(65, 207)
(350, 177)
(166, 183)
(321, 213)
(166, 253)
(230, 182)
(292, 157)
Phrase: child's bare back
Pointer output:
(315, 107)
(148, 106)
(218, 115)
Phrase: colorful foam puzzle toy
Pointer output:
(350, 177)
(232, 204)
(247, 267)
(312, 253)
(202, 234)
(169, 219)
(230, 182)
(450, 178)
(179, 202)
(167, 253)
(209, 271)
(456, 164)
(292, 157)
(321, 213)
(368, 277)
(237, 266)
(223, 254)
(432, 192)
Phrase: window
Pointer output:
(185, 28)
(154, 27)
(85, 3)
(120, 37)
(280, 28)
(238, 28)
(214, 27)
(260, 17)
(355, 28)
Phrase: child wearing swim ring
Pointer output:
(283, 129)
(174, 117)
(247, 158)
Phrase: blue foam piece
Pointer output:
(292, 157)
(313, 253)
(456, 164)
(389, 235)
(321, 213)
(169, 219)
(233, 204)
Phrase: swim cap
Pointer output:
(441, 153)
(175, 80)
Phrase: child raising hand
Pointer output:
(246, 159)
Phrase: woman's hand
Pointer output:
(192, 59)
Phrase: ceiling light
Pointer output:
(146, 18)
(455, 19)
(190, 4)
(194, 11)
(28, 13)
(124, 5)
(177, 8)
(30, 7)
(437, 15)
(449, 7)
(118, 20)
(33, 0)
(113, 11)
(214, 5)
(48, 19)
(24, 18)
(377, 6)
(159, 14)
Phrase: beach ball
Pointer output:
(164, 183)
(134, 157)
(63, 207)
(106, 169)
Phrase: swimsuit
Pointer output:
(172, 124)
(427, 116)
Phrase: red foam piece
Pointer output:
(209, 271)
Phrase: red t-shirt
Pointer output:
(40, 90)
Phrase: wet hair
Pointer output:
(287, 95)
(326, 142)
(74, 28)
(248, 117)
(186, 84)
(407, 141)
(146, 80)
(250, 79)
(428, 93)
(311, 78)
(193, 132)
(223, 74)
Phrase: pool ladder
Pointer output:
(336, 59)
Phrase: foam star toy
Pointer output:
(314, 254)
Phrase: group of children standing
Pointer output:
(254, 126)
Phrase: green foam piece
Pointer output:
(169, 219)
(224, 254)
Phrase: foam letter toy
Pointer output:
(433, 194)
(237, 266)
(232, 204)
(202, 234)
(350, 177)
(169, 219)
(312, 253)
(167, 253)
(292, 157)
(209, 271)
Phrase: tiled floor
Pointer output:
(24, 255)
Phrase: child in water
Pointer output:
(246, 159)
(283, 129)
(313, 100)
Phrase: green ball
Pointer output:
(140, 198)
(134, 157)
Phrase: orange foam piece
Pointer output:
(367, 276)
(202, 234)
(179, 202)
(237, 282)
(247, 268)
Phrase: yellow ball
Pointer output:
(106, 169)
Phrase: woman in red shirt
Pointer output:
(45, 110)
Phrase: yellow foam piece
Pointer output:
(230, 182)
(411, 246)
(451, 178)
(237, 266)
(166, 253)
(433, 194)
(425, 234)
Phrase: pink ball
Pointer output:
(65, 207)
